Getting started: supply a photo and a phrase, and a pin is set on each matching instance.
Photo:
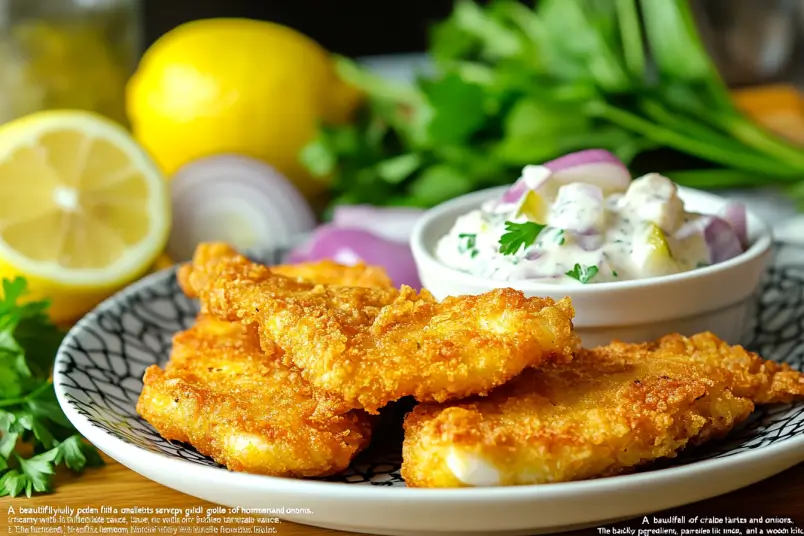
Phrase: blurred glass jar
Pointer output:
(67, 54)
(752, 41)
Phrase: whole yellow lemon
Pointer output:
(236, 86)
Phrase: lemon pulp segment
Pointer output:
(81, 203)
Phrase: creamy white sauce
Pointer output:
(643, 231)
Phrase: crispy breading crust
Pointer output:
(224, 395)
(366, 347)
(324, 272)
(612, 409)
(236, 402)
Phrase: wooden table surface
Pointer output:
(115, 485)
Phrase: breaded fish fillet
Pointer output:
(224, 395)
(366, 347)
(612, 409)
(324, 272)
(240, 405)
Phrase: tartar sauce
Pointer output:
(578, 233)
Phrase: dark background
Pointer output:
(348, 27)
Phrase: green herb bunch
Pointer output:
(35, 436)
(514, 85)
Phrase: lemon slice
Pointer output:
(83, 210)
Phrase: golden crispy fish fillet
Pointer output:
(238, 404)
(224, 395)
(612, 409)
(324, 272)
(366, 347)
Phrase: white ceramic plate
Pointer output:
(98, 380)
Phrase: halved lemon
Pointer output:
(83, 209)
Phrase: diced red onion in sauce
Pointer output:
(515, 192)
(721, 239)
(735, 214)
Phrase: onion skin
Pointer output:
(392, 223)
(349, 245)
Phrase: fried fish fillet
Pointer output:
(366, 347)
(224, 395)
(240, 405)
(612, 409)
(323, 272)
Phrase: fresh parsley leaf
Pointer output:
(457, 109)
(45, 406)
(7, 443)
(78, 454)
(614, 273)
(583, 273)
(12, 483)
(519, 235)
(29, 411)
(397, 169)
(439, 183)
(319, 159)
(471, 28)
(7, 420)
(42, 433)
(37, 470)
(10, 381)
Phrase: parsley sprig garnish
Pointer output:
(583, 273)
(30, 415)
(519, 235)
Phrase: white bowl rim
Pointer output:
(758, 247)
(121, 450)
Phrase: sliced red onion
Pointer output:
(735, 214)
(515, 192)
(593, 166)
(392, 223)
(235, 199)
(533, 177)
(721, 239)
(349, 246)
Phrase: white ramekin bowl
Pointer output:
(718, 298)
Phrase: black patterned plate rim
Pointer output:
(120, 449)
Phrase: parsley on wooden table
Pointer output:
(31, 419)
(583, 273)
(519, 235)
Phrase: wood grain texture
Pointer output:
(117, 486)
